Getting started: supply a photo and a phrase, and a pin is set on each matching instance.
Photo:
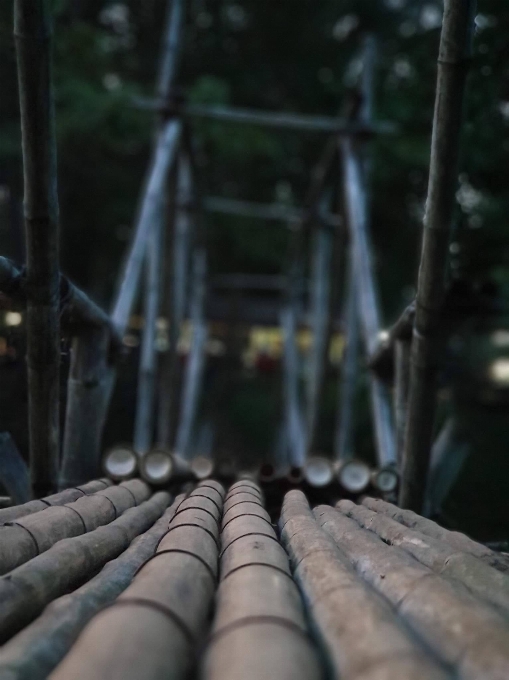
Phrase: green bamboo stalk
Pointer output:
(454, 52)
(32, 31)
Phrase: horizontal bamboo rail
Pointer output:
(426, 526)
(465, 633)
(27, 537)
(36, 650)
(61, 498)
(269, 212)
(371, 642)
(482, 580)
(259, 629)
(158, 620)
(272, 119)
(30, 587)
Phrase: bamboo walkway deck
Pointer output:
(117, 582)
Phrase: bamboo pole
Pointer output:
(484, 582)
(193, 375)
(464, 633)
(272, 119)
(257, 607)
(402, 350)
(120, 463)
(30, 587)
(29, 536)
(36, 650)
(158, 619)
(268, 212)
(158, 467)
(14, 474)
(382, 359)
(176, 299)
(372, 642)
(456, 540)
(61, 498)
(32, 31)
(454, 53)
(172, 45)
(344, 439)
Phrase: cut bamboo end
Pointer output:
(385, 480)
(267, 472)
(202, 467)
(295, 475)
(354, 476)
(156, 467)
(120, 463)
(318, 471)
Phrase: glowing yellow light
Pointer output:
(499, 371)
(13, 318)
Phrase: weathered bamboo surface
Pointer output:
(61, 498)
(426, 526)
(26, 590)
(27, 537)
(360, 634)
(468, 635)
(481, 579)
(36, 651)
(159, 620)
(259, 629)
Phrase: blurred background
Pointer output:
(285, 55)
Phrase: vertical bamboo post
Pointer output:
(320, 307)
(176, 299)
(454, 52)
(32, 30)
(196, 358)
(402, 349)
(295, 427)
(348, 375)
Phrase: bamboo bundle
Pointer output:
(26, 590)
(36, 650)
(61, 498)
(426, 526)
(372, 643)
(257, 607)
(120, 463)
(465, 633)
(157, 621)
(454, 55)
(32, 535)
(32, 31)
(481, 579)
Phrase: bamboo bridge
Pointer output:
(172, 565)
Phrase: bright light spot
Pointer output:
(483, 21)
(431, 17)
(468, 197)
(112, 81)
(344, 26)
(500, 338)
(383, 335)
(499, 372)
(454, 248)
(13, 318)
(402, 68)
(503, 107)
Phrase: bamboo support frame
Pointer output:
(484, 582)
(30, 587)
(61, 498)
(159, 618)
(456, 540)
(36, 651)
(29, 536)
(454, 52)
(14, 474)
(32, 31)
(402, 350)
(258, 606)
(470, 637)
(372, 643)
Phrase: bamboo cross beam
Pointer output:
(437, 610)
(454, 53)
(331, 588)
(27, 590)
(271, 119)
(263, 211)
(32, 31)
(41, 646)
